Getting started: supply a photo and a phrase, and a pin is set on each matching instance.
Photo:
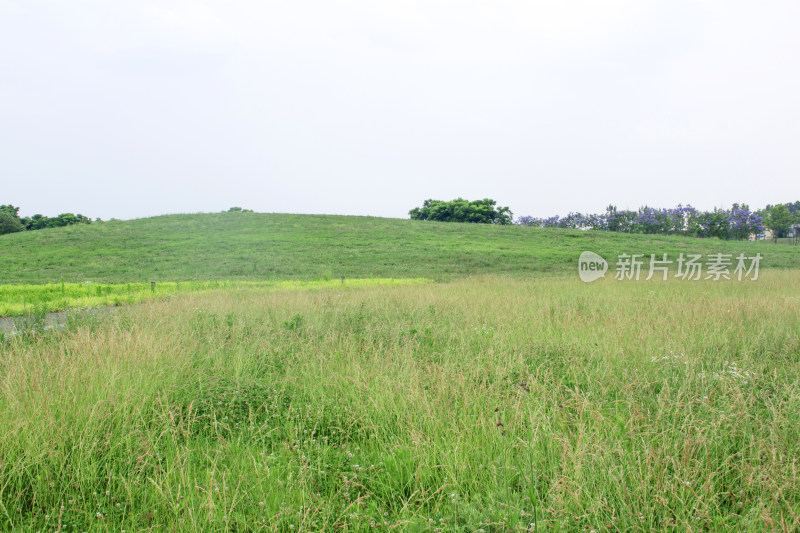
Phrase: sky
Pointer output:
(128, 109)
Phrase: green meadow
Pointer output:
(260, 246)
(459, 378)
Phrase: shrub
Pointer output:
(483, 211)
(9, 223)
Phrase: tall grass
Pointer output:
(17, 300)
(487, 404)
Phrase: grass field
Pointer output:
(17, 300)
(255, 389)
(483, 404)
(256, 246)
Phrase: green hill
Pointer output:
(256, 246)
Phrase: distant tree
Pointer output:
(483, 211)
(621, 221)
(39, 221)
(650, 220)
(9, 223)
(712, 224)
(794, 208)
(779, 219)
(12, 210)
(742, 222)
(35, 222)
(739, 222)
(64, 219)
(9, 219)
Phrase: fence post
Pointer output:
(152, 286)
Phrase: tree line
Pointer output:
(738, 222)
(11, 222)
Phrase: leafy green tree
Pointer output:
(68, 219)
(12, 210)
(9, 219)
(65, 219)
(37, 221)
(483, 211)
(779, 219)
(712, 224)
(9, 223)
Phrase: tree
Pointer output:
(13, 211)
(37, 221)
(459, 210)
(711, 224)
(743, 222)
(779, 220)
(621, 221)
(652, 221)
(9, 223)
(9, 219)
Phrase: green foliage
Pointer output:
(10, 209)
(618, 220)
(37, 222)
(9, 220)
(9, 223)
(737, 223)
(711, 224)
(794, 207)
(459, 210)
(779, 219)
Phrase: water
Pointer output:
(58, 320)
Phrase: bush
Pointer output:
(9, 223)
(460, 210)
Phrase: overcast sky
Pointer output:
(138, 108)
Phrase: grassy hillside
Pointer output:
(256, 246)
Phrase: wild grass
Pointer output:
(21, 300)
(261, 246)
(491, 403)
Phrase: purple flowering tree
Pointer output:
(743, 222)
(738, 223)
